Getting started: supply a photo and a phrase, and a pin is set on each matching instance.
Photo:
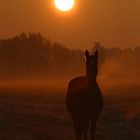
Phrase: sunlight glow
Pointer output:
(64, 5)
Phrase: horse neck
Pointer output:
(91, 83)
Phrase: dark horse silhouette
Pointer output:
(84, 99)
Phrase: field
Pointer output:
(39, 113)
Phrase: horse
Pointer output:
(84, 99)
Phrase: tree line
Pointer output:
(32, 53)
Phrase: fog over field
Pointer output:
(34, 108)
(34, 75)
(37, 111)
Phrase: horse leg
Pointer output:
(78, 132)
(78, 136)
(86, 129)
(93, 129)
(85, 136)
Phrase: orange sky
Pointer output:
(111, 22)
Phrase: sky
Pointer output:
(113, 23)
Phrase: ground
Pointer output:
(40, 114)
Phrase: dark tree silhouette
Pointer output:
(32, 53)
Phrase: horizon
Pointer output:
(63, 45)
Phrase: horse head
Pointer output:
(91, 65)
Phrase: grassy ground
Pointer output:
(40, 114)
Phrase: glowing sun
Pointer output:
(64, 5)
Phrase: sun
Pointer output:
(64, 5)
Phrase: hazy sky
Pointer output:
(111, 22)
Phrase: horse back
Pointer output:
(77, 84)
(74, 93)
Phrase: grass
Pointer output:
(40, 114)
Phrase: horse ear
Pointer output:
(87, 53)
(96, 54)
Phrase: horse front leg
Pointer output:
(78, 132)
(85, 136)
(93, 129)
(78, 136)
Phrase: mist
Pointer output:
(31, 60)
